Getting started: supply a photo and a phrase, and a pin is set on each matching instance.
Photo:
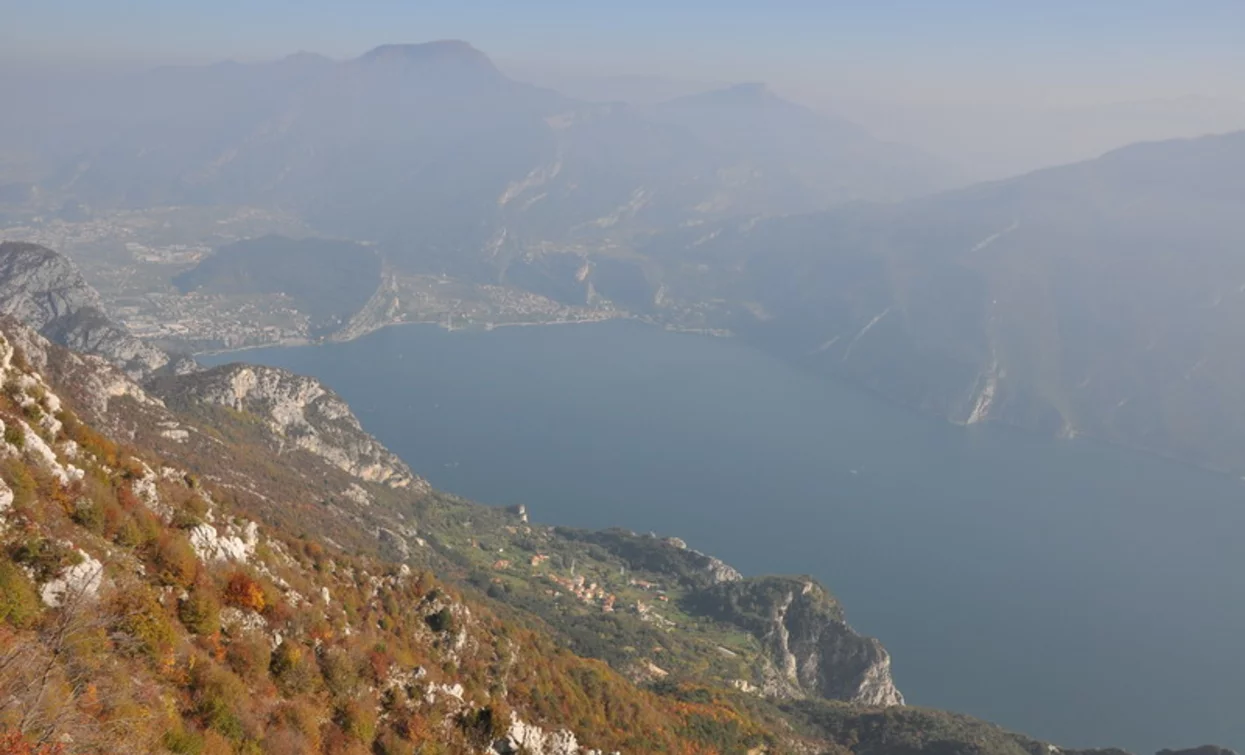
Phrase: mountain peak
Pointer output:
(452, 51)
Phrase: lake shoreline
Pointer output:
(1075, 437)
(473, 328)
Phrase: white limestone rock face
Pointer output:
(147, 492)
(876, 686)
(95, 381)
(235, 621)
(80, 580)
(453, 691)
(530, 739)
(34, 396)
(37, 448)
(358, 495)
(818, 654)
(719, 571)
(6, 448)
(174, 432)
(6, 493)
(211, 545)
(300, 412)
(808, 648)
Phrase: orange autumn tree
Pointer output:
(244, 592)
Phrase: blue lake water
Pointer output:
(1081, 593)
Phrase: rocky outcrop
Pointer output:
(90, 381)
(47, 292)
(234, 544)
(808, 648)
(6, 496)
(300, 412)
(714, 569)
(811, 650)
(529, 739)
(33, 439)
(77, 582)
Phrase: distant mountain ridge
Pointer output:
(1094, 298)
(1102, 298)
(423, 146)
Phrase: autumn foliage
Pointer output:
(13, 743)
(241, 591)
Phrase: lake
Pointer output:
(1073, 591)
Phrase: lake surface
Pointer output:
(1076, 592)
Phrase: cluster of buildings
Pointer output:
(585, 591)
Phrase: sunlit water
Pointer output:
(1080, 593)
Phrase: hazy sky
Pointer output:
(1052, 49)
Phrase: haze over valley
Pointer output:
(913, 306)
(733, 211)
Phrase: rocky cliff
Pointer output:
(47, 292)
(807, 647)
(813, 652)
(299, 411)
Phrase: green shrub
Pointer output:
(20, 481)
(183, 742)
(291, 670)
(250, 656)
(88, 514)
(15, 435)
(45, 557)
(217, 694)
(184, 520)
(442, 621)
(33, 412)
(175, 560)
(191, 514)
(19, 603)
(197, 506)
(341, 673)
(485, 725)
(296, 724)
(13, 389)
(138, 616)
(389, 743)
(129, 533)
(200, 611)
(358, 719)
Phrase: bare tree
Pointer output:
(42, 682)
